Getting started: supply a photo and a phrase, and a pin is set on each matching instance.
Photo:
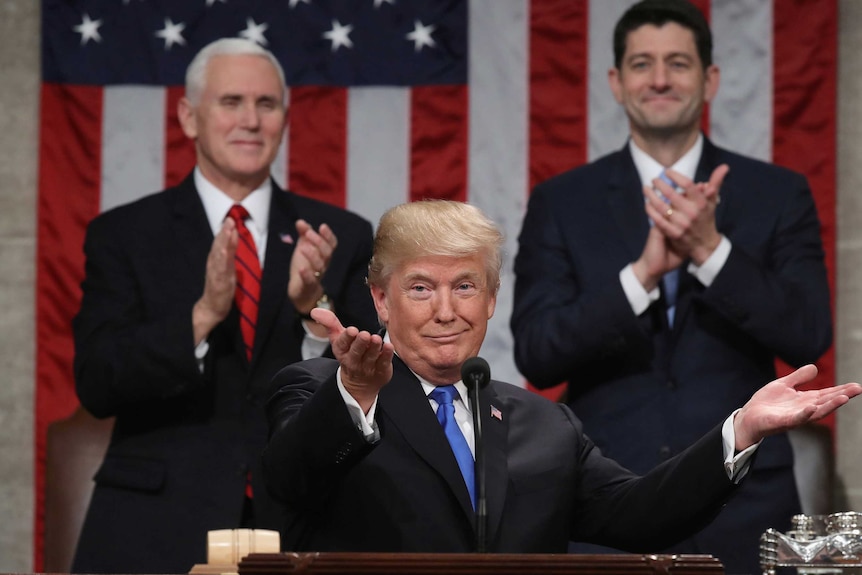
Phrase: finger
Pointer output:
(678, 179)
(328, 236)
(802, 375)
(328, 320)
(302, 227)
(716, 179)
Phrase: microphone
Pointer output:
(475, 373)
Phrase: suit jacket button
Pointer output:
(671, 384)
(664, 452)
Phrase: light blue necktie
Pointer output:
(445, 395)
(670, 280)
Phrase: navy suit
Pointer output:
(643, 390)
(184, 441)
(546, 481)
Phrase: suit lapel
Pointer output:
(495, 429)
(626, 202)
(189, 222)
(406, 406)
(281, 241)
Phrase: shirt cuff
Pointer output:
(201, 351)
(312, 345)
(639, 298)
(735, 464)
(364, 421)
(706, 272)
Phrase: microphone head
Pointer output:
(475, 372)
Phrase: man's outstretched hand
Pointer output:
(779, 406)
(366, 360)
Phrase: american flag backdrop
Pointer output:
(392, 101)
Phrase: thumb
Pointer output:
(327, 319)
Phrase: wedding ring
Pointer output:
(317, 275)
(668, 213)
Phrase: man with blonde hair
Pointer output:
(373, 451)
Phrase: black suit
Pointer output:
(645, 391)
(184, 441)
(546, 481)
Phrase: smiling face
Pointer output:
(436, 311)
(238, 123)
(662, 84)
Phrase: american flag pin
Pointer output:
(286, 238)
(495, 413)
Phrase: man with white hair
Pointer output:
(193, 298)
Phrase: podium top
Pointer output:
(475, 564)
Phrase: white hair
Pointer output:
(196, 72)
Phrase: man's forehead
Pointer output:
(654, 40)
(442, 266)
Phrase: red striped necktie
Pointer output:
(248, 273)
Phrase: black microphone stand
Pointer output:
(481, 500)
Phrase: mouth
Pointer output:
(445, 338)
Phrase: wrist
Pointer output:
(322, 302)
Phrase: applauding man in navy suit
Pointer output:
(193, 298)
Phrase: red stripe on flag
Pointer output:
(804, 108)
(70, 147)
(179, 149)
(318, 143)
(439, 132)
(558, 95)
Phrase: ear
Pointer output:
(615, 83)
(711, 81)
(186, 115)
(381, 304)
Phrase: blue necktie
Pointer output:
(670, 280)
(444, 395)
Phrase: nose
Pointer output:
(249, 116)
(444, 306)
(660, 76)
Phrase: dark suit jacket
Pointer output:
(546, 481)
(184, 441)
(642, 390)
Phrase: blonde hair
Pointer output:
(435, 228)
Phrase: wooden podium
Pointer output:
(474, 564)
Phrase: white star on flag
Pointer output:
(421, 36)
(88, 29)
(172, 33)
(339, 35)
(254, 31)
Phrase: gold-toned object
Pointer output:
(668, 213)
(227, 547)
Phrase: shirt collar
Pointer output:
(649, 169)
(217, 203)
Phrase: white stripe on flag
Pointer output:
(378, 150)
(133, 143)
(497, 174)
(607, 126)
(741, 116)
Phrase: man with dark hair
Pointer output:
(374, 451)
(664, 302)
(193, 298)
